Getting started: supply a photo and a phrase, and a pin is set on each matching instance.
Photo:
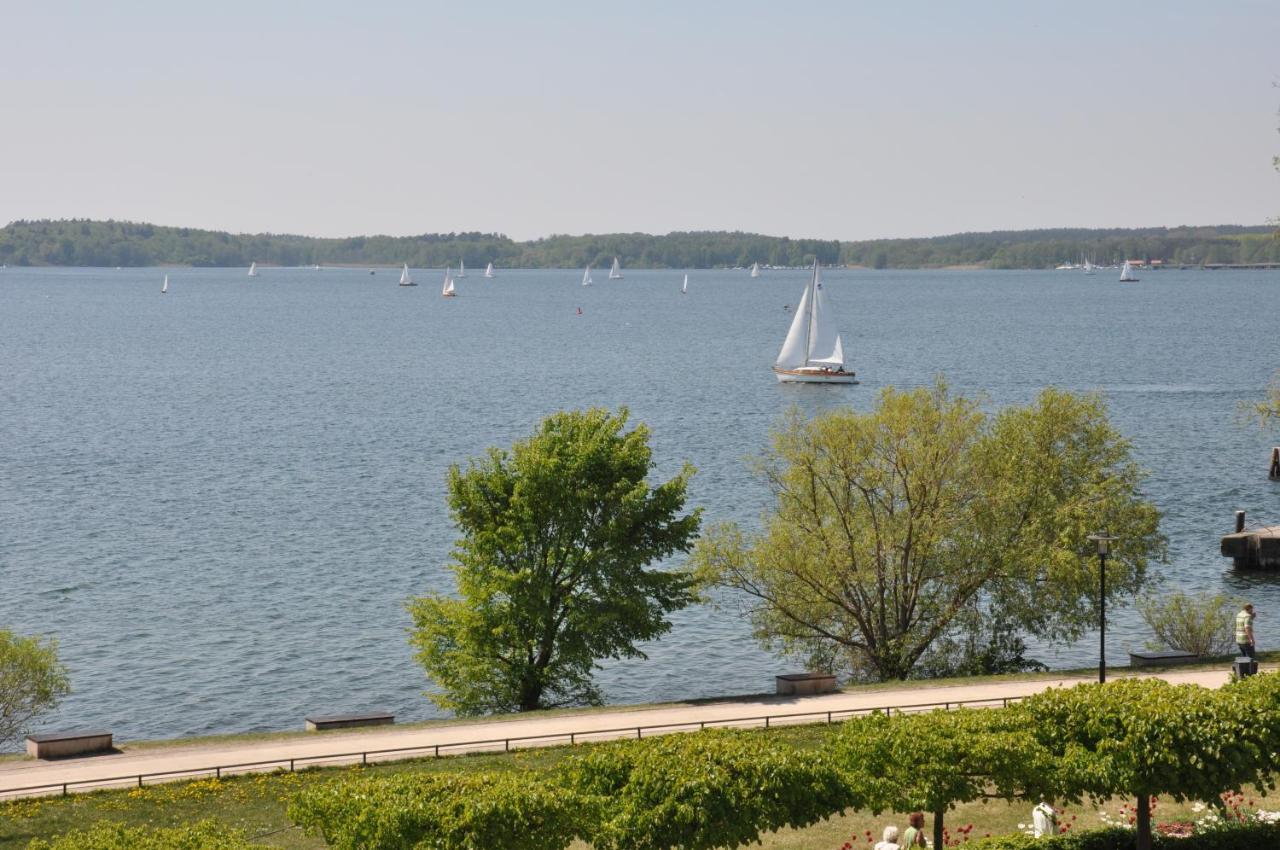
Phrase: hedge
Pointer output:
(1249, 836)
(204, 835)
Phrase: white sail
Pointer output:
(795, 347)
(1126, 273)
(405, 280)
(447, 289)
(825, 347)
(586, 276)
(462, 269)
(755, 269)
(615, 273)
(685, 289)
(253, 269)
(165, 287)
(488, 270)
(1088, 266)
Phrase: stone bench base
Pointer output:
(317, 723)
(60, 745)
(797, 684)
(1161, 659)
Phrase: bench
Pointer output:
(1161, 658)
(797, 684)
(319, 722)
(59, 745)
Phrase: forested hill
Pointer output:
(118, 243)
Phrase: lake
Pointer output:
(219, 499)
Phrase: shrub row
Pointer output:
(1257, 835)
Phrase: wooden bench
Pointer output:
(60, 745)
(797, 684)
(318, 722)
(1161, 658)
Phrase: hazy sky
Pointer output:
(830, 119)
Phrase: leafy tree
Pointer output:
(477, 811)
(889, 528)
(1267, 410)
(1201, 623)
(108, 835)
(936, 760)
(32, 682)
(552, 566)
(719, 788)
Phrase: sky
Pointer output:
(838, 120)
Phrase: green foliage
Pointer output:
(442, 811)
(1250, 835)
(105, 835)
(557, 535)
(1266, 411)
(909, 525)
(1200, 623)
(719, 788)
(32, 681)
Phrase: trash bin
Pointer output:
(1244, 666)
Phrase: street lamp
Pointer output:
(1104, 542)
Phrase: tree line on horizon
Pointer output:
(121, 243)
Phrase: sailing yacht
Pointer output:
(684, 290)
(447, 290)
(615, 273)
(253, 269)
(488, 270)
(405, 280)
(1126, 273)
(1089, 267)
(165, 287)
(462, 269)
(812, 352)
(755, 269)
(586, 276)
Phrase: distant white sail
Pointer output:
(755, 269)
(405, 280)
(165, 287)
(447, 289)
(488, 270)
(462, 269)
(586, 276)
(615, 273)
(253, 269)
(1126, 273)
(1088, 266)
(684, 290)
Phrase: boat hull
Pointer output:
(408, 284)
(813, 376)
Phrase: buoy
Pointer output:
(579, 311)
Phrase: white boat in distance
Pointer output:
(812, 352)
(1089, 267)
(755, 269)
(405, 280)
(165, 287)
(615, 273)
(488, 270)
(1127, 275)
(447, 290)
(253, 269)
(586, 276)
(684, 290)
(462, 269)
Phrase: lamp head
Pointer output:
(1103, 541)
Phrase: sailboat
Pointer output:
(615, 273)
(253, 269)
(812, 352)
(684, 290)
(586, 276)
(488, 270)
(405, 280)
(1126, 273)
(447, 290)
(755, 269)
(462, 269)
(165, 287)
(1089, 266)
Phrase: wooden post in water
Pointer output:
(1274, 474)
(1239, 521)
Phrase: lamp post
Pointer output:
(1104, 541)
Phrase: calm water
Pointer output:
(219, 499)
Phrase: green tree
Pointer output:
(32, 682)
(1201, 623)
(552, 567)
(888, 528)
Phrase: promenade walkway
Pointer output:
(181, 761)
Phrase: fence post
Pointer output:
(637, 733)
(291, 765)
(766, 721)
(217, 773)
(506, 745)
(64, 789)
(364, 758)
(139, 780)
(571, 738)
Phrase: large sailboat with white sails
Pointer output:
(813, 352)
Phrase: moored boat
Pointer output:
(813, 352)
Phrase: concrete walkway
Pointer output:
(185, 761)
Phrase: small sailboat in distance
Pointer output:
(1089, 266)
(684, 290)
(253, 269)
(812, 352)
(1126, 273)
(462, 269)
(586, 276)
(488, 270)
(615, 273)
(165, 287)
(405, 280)
(755, 269)
(447, 290)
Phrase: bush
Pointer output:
(479, 811)
(1197, 623)
(1252, 835)
(205, 835)
(720, 788)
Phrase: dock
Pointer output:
(1252, 549)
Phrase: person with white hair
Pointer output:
(890, 841)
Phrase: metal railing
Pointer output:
(366, 757)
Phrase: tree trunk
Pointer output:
(937, 829)
(530, 695)
(1144, 822)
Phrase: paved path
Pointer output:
(184, 761)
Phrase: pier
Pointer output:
(1252, 549)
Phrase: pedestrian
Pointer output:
(890, 841)
(1244, 630)
(914, 835)
(1044, 819)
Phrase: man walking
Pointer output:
(1244, 630)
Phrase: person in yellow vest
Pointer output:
(1244, 630)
